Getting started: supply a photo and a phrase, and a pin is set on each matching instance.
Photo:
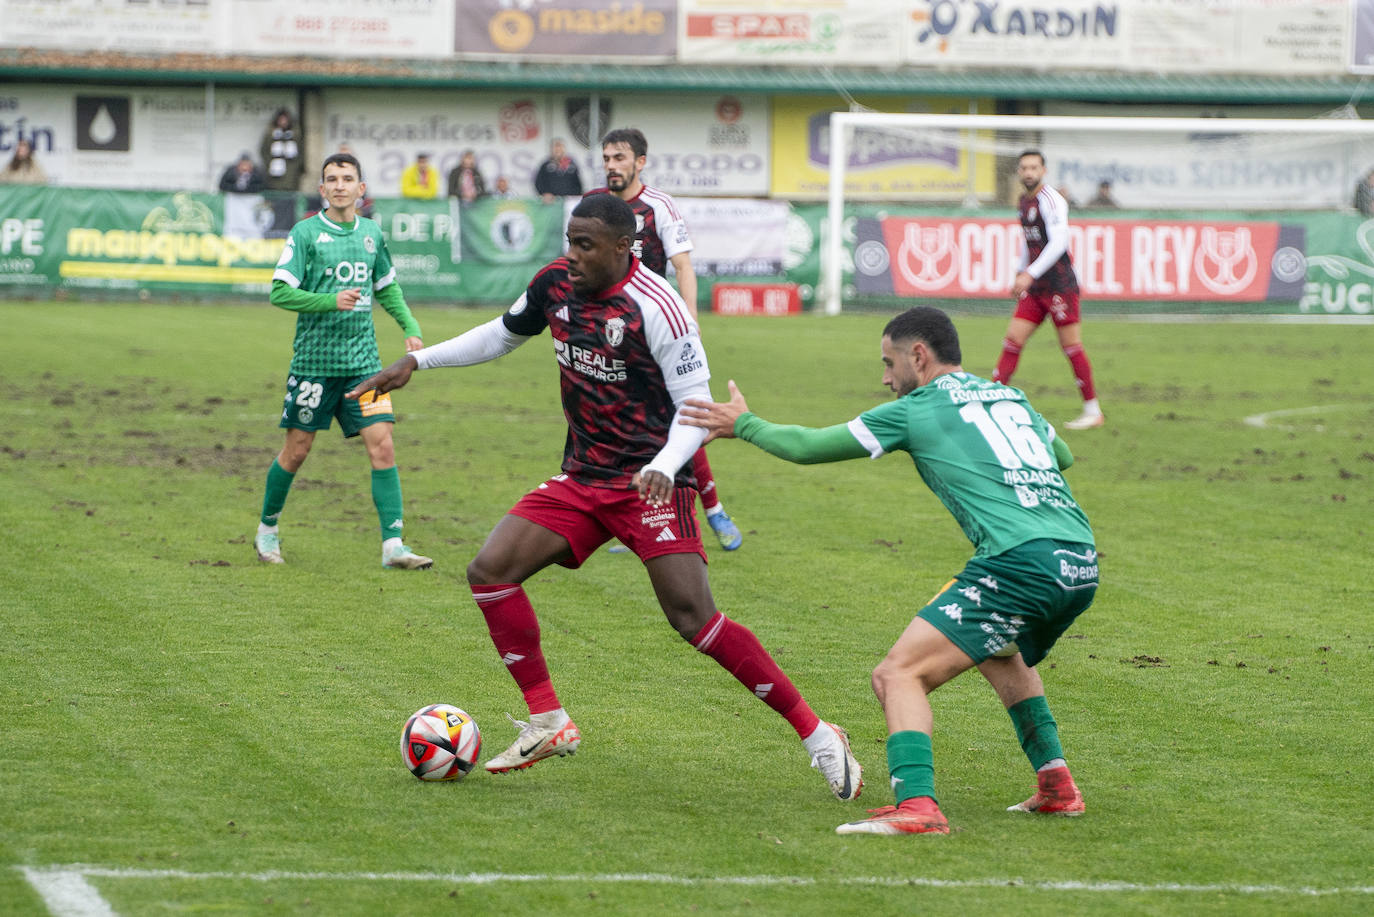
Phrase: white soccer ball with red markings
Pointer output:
(440, 742)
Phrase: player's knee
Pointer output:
(382, 454)
(687, 620)
(292, 456)
(892, 676)
(481, 572)
(886, 678)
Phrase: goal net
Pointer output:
(1166, 214)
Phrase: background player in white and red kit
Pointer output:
(629, 355)
(661, 238)
(1045, 285)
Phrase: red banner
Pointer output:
(755, 299)
(1182, 260)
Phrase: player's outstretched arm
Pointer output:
(393, 377)
(718, 420)
(801, 445)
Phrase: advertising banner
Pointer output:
(591, 29)
(756, 299)
(1362, 36)
(486, 251)
(133, 241)
(170, 26)
(882, 164)
(114, 136)
(1154, 260)
(1208, 169)
(775, 31)
(145, 245)
(736, 237)
(700, 144)
(341, 28)
(1271, 37)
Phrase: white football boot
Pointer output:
(547, 735)
(402, 558)
(836, 762)
(268, 546)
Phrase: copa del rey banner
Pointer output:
(1124, 259)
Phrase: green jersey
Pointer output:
(986, 454)
(324, 257)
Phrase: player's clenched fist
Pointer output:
(347, 299)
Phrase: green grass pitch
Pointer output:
(185, 730)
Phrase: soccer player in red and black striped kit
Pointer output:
(661, 239)
(629, 356)
(1045, 286)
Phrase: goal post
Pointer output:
(1239, 165)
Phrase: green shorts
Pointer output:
(313, 401)
(1022, 599)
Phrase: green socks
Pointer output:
(386, 496)
(1036, 730)
(278, 486)
(911, 762)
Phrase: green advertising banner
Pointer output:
(483, 252)
(147, 244)
(88, 239)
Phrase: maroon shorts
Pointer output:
(1061, 308)
(588, 517)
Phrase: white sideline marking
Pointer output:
(1264, 421)
(67, 893)
(86, 901)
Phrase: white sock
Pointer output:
(390, 544)
(1091, 407)
(1051, 764)
(820, 738)
(266, 529)
(716, 510)
(549, 718)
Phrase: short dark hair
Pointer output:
(342, 159)
(1025, 153)
(632, 137)
(931, 325)
(609, 209)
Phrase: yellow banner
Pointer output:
(165, 273)
(883, 164)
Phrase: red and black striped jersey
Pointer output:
(626, 356)
(1045, 220)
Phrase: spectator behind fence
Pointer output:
(1364, 194)
(1104, 198)
(465, 181)
(23, 168)
(420, 179)
(280, 152)
(557, 176)
(243, 177)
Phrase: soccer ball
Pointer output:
(440, 742)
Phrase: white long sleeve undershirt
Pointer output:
(476, 345)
